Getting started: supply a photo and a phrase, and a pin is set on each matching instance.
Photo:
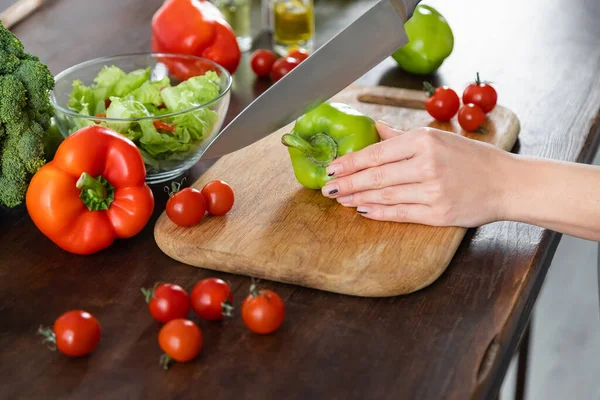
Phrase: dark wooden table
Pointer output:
(454, 339)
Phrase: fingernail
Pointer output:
(330, 190)
(384, 123)
(363, 209)
(345, 199)
(334, 169)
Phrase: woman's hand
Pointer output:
(425, 176)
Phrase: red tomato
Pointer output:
(262, 311)
(186, 207)
(163, 126)
(212, 299)
(262, 61)
(75, 333)
(471, 117)
(299, 54)
(181, 340)
(443, 102)
(481, 94)
(167, 302)
(219, 197)
(282, 67)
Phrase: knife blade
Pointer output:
(334, 66)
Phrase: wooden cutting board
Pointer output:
(278, 230)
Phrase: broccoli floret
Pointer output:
(25, 116)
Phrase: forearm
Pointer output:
(564, 197)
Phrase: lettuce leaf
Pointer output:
(149, 92)
(192, 92)
(124, 109)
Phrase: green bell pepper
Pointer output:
(324, 134)
(430, 42)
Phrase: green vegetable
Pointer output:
(320, 136)
(134, 96)
(25, 116)
(430, 42)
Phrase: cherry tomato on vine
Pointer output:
(282, 67)
(262, 61)
(212, 299)
(471, 117)
(481, 94)
(167, 301)
(299, 54)
(181, 340)
(75, 333)
(263, 310)
(218, 196)
(442, 103)
(186, 207)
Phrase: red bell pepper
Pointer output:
(92, 192)
(195, 27)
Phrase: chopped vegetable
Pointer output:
(92, 192)
(132, 96)
(25, 117)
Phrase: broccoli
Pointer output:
(25, 117)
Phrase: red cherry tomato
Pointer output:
(282, 67)
(262, 61)
(219, 197)
(181, 340)
(167, 302)
(212, 299)
(263, 311)
(443, 102)
(186, 207)
(471, 117)
(160, 125)
(75, 333)
(299, 54)
(481, 94)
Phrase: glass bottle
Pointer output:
(237, 14)
(293, 25)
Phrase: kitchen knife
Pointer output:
(361, 46)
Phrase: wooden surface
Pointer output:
(283, 232)
(451, 340)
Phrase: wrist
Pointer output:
(513, 174)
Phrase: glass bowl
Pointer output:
(167, 150)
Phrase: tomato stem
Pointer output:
(96, 193)
(428, 88)
(227, 309)
(49, 337)
(165, 361)
(149, 293)
(320, 148)
(175, 187)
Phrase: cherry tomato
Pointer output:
(282, 67)
(167, 301)
(186, 207)
(443, 102)
(262, 61)
(471, 117)
(299, 54)
(212, 299)
(481, 94)
(262, 311)
(75, 333)
(163, 126)
(181, 340)
(219, 197)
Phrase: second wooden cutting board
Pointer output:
(278, 230)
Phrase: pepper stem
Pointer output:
(96, 193)
(321, 148)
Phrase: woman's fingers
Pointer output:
(396, 148)
(409, 213)
(415, 193)
(397, 173)
(386, 131)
